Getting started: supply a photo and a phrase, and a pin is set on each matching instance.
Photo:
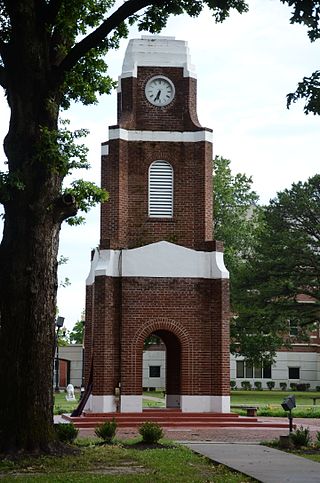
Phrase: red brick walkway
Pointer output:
(222, 434)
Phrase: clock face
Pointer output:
(159, 91)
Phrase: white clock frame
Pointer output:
(164, 102)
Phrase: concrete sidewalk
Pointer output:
(265, 464)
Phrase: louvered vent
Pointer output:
(161, 190)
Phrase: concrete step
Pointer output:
(172, 419)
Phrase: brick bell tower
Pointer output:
(157, 269)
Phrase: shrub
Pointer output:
(106, 431)
(258, 385)
(318, 388)
(300, 437)
(302, 387)
(150, 432)
(270, 385)
(246, 385)
(283, 386)
(293, 386)
(233, 385)
(66, 433)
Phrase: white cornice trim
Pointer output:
(159, 51)
(161, 136)
(104, 149)
(158, 260)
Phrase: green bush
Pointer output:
(293, 386)
(66, 433)
(270, 385)
(302, 387)
(258, 385)
(300, 437)
(246, 385)
(150, 432)
(283, 386)
(106, 431)
(233, 385)
(318, 388)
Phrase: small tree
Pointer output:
(106, 431)
(76, 335)
(150, 432)
(246, 385)
(233, 385)
(270, 385)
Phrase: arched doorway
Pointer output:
(162, 365)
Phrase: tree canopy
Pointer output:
(307, 12)
(280, 281)
(235, 213)
(76, 335)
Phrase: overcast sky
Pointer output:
(245, 68)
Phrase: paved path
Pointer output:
(265, 464)
(221, 435)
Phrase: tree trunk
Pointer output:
(28, 278)
(28, 285)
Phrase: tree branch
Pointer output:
(97, 36)
(64, 207)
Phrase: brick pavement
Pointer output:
(226, 435)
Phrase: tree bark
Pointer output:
(28, 251)
(28, 285)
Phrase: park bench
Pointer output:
(251, 410)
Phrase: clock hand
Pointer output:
(157, 96)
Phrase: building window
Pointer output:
(245, 369)
(294, 372)
(160, 190)
(249, 371)
(266, 372)
(240, 369)
(293, 328)
(258, 372)
(154, 371)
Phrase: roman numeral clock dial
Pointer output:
(159, 91)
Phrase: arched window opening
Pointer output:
(160, 190)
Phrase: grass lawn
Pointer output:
(269, 403)
(264, 398)
(61, 405)
(121, 464)
(313, 457)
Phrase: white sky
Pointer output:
(245, 68)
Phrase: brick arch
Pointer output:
(187, 350)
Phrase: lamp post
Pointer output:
(59, 324)
(288, 404)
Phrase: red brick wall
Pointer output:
(185, 313)
(136, 112)
(88, 332)
(124, 218)
(106, 344)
